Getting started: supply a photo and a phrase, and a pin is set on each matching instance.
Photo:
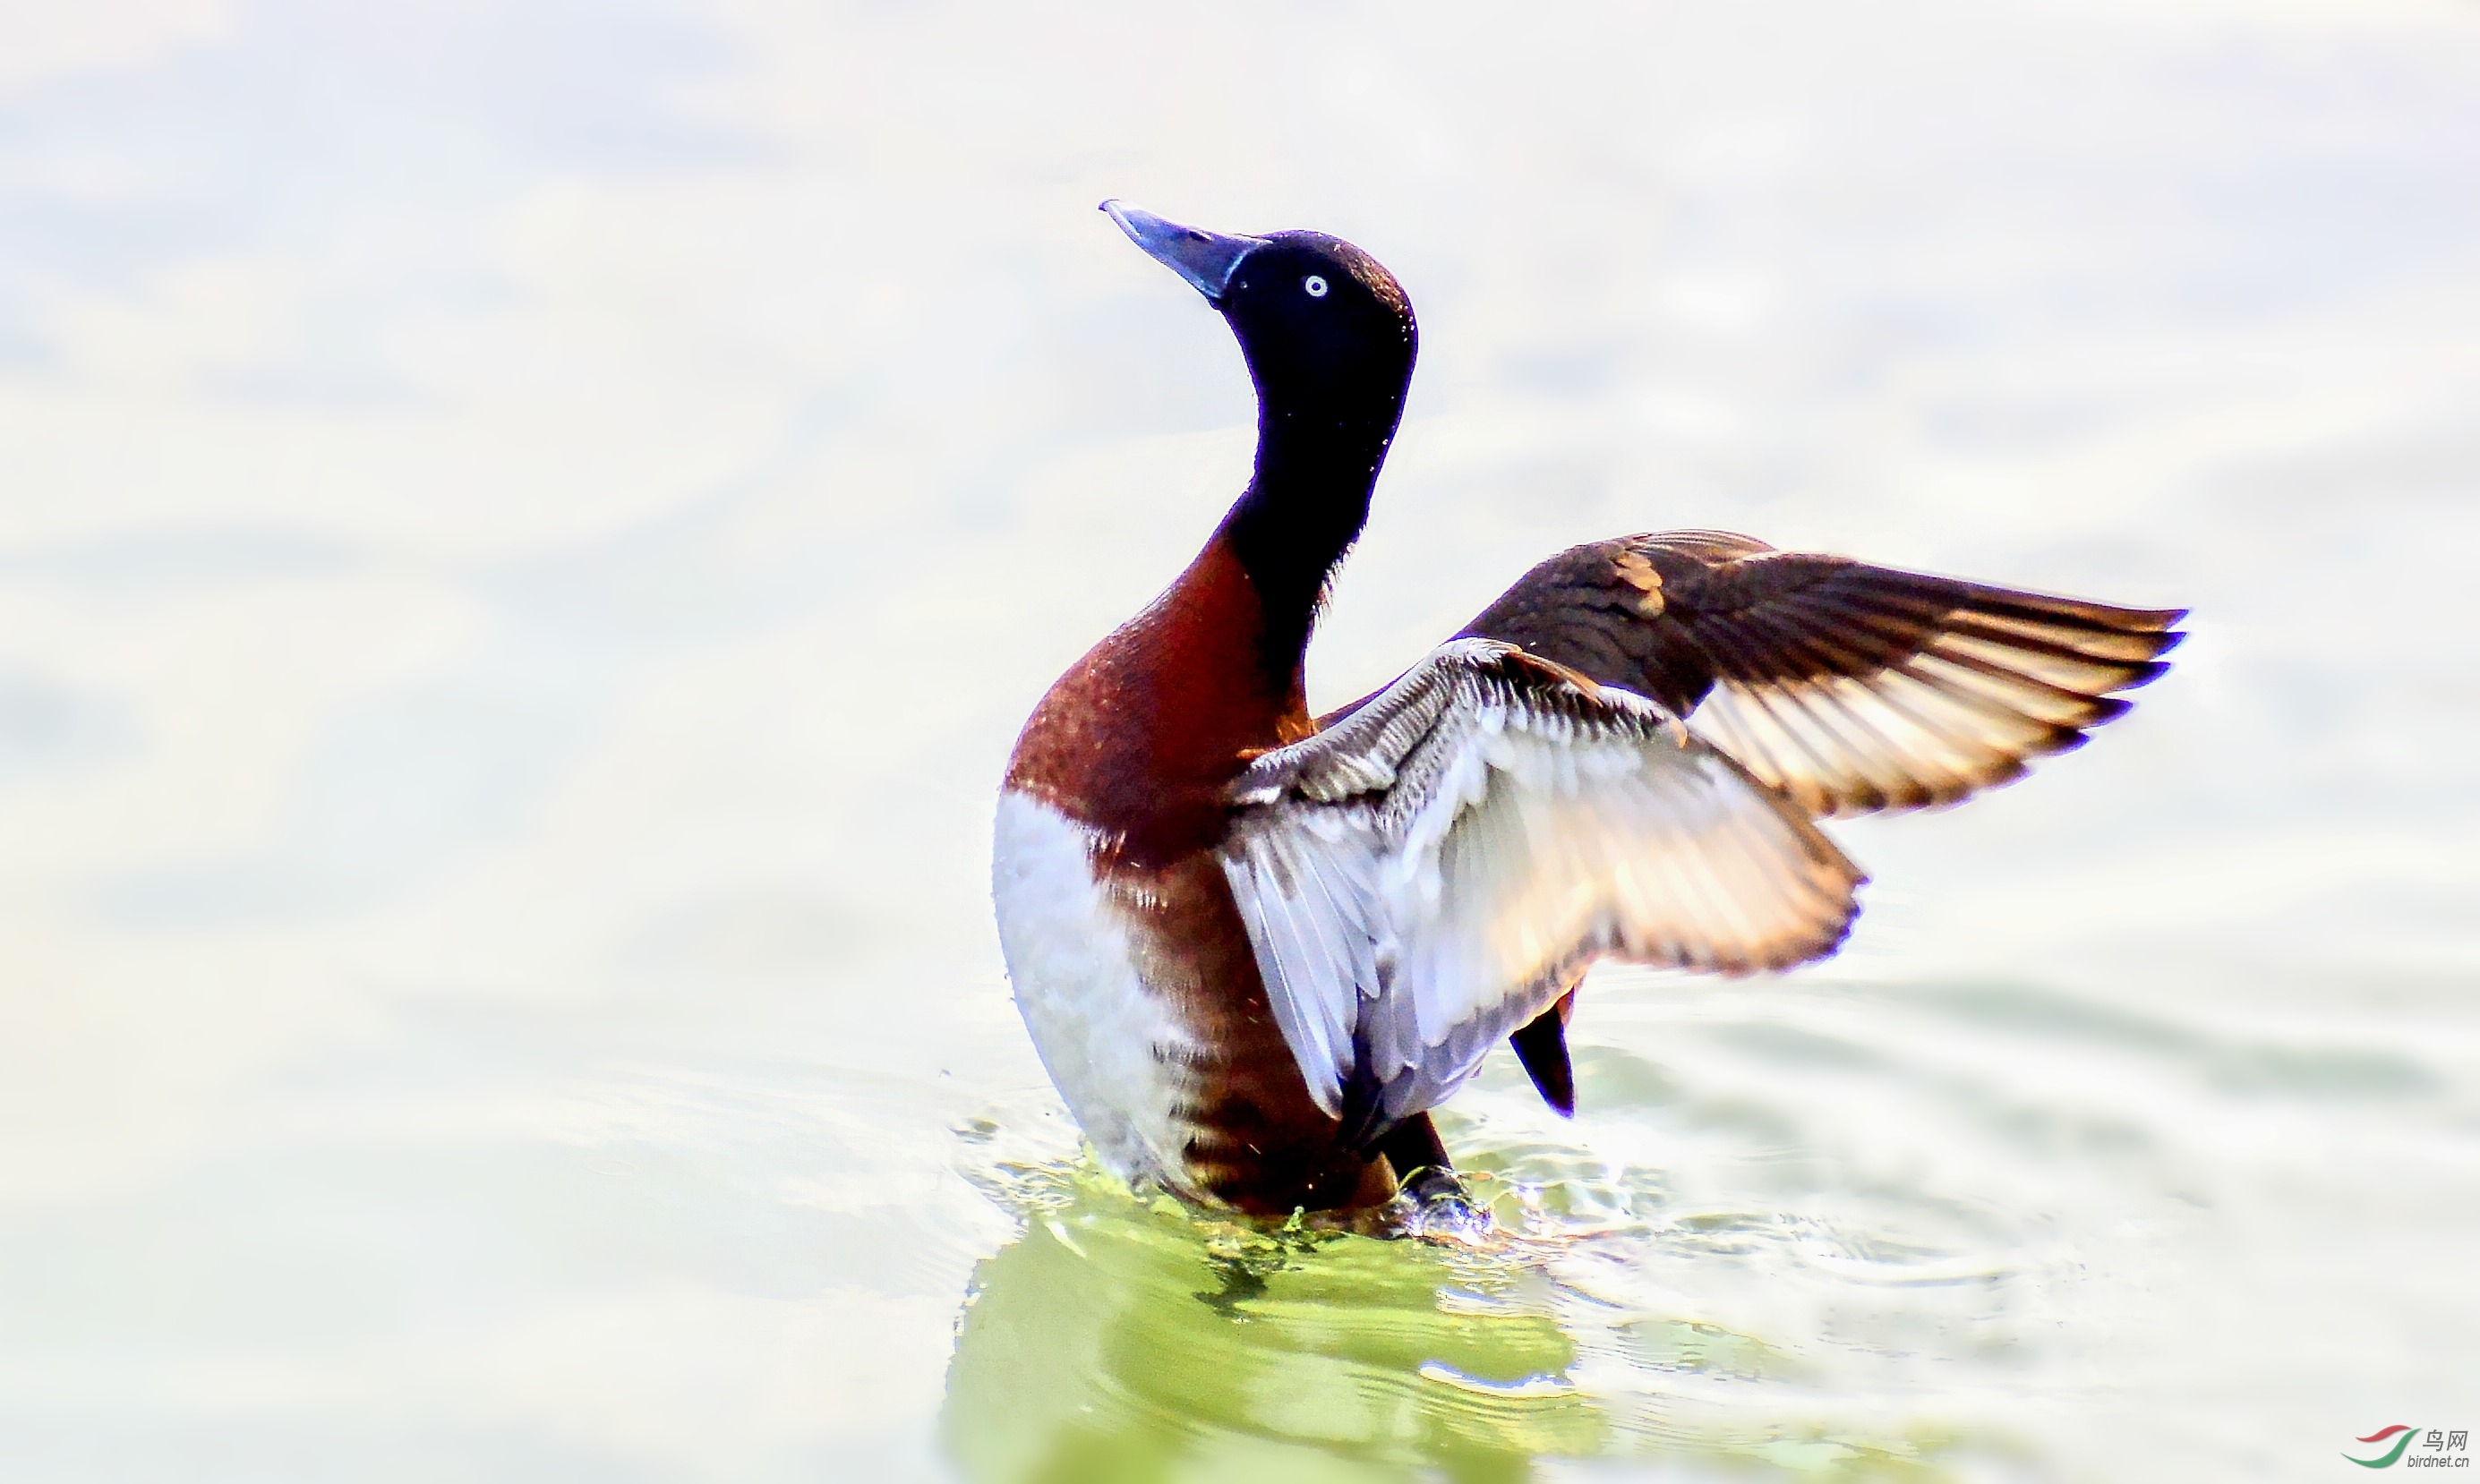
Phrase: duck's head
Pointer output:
(1325, 329)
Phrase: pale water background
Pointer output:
(527, 529)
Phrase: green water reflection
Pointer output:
(1126, 1338)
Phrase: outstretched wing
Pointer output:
(1851, 688)
(1425, 876)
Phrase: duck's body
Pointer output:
(1254, 948)
(1132, 965)
(1121, 934)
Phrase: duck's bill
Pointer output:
(1207, 260)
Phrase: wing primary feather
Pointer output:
(1952, 685)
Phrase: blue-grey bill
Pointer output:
(1207, 260)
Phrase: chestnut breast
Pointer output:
(1133, 748)
(1138, 740)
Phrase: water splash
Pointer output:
(1127, 1336)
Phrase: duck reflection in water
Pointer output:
(1118, 1340)
(1127, 1338)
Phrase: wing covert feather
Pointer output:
(1431, 872)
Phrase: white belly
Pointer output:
(1103, 1038)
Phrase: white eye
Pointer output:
(1315, 285)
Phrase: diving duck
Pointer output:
(1256, 947)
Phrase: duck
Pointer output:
(1256, 947)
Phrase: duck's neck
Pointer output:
(1303, 509)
